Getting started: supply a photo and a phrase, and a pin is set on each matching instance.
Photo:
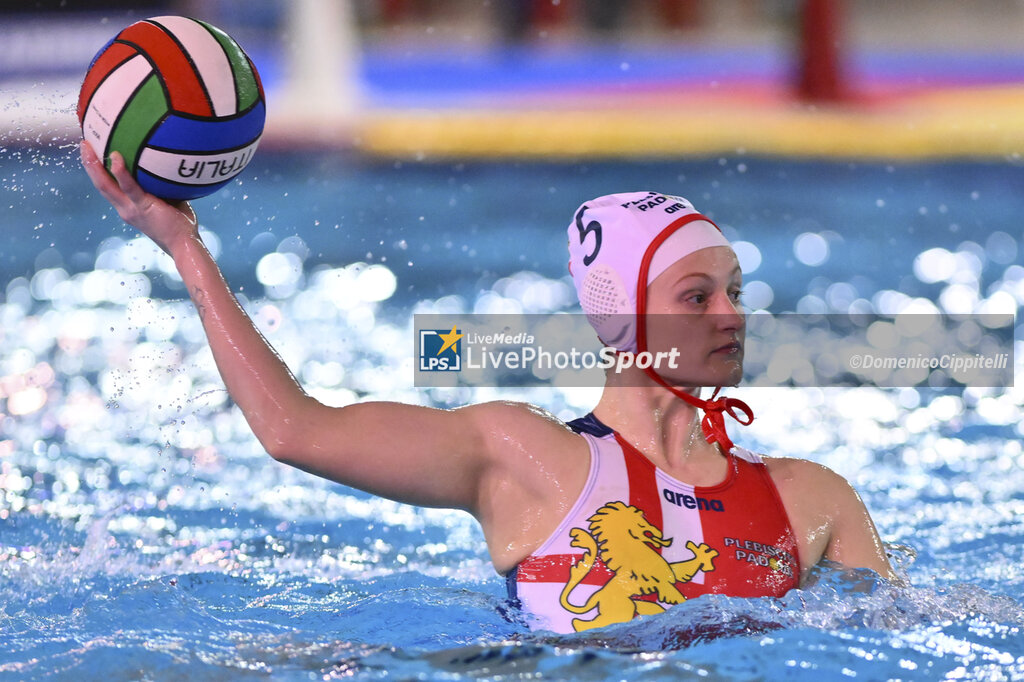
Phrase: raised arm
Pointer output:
(412, 454)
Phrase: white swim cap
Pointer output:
(618, 245)
(613, 239)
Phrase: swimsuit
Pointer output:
(637, 540)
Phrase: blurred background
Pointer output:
(579, 77)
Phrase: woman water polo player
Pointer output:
(638, 506)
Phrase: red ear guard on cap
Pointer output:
(713, 422)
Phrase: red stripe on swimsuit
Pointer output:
(638, 541)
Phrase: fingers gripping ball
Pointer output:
(181, 102)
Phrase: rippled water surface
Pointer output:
(143, 533)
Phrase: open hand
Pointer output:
(165, 223)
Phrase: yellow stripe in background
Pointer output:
(977, 123)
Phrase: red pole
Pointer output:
(820, 69)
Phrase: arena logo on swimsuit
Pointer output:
(691, 502)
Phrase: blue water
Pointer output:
(144, 535)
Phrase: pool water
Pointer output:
(144, 534)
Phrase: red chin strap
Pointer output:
(713, 422)
(715, 409)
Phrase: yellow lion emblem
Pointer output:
(627, 542)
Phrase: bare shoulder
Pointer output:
(514, 431)
(502, 419)
(794, 471)
(536, 467)
(513, 412)
(815, 497)
(828, 515)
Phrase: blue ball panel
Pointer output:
(178, 133)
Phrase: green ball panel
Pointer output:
(246, 84)
(143, 112)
